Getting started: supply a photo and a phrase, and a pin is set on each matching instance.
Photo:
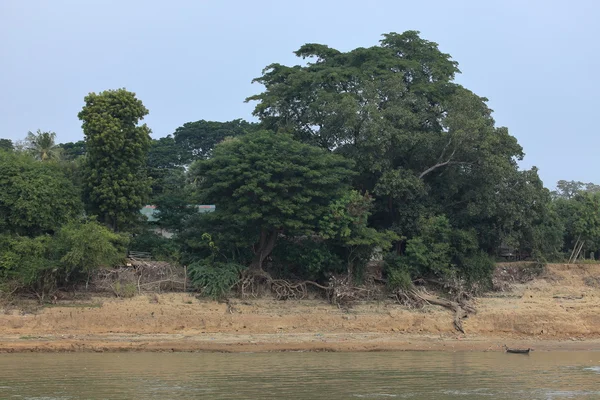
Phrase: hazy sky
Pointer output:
(536, 60)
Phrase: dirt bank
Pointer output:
(560, 310)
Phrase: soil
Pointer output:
(559, 310)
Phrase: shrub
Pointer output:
(30, 262)
(214, 280)
(85, 246)
(398, 272)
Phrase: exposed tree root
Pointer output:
(254, 281)
(416, 298)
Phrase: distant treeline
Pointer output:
(372, 151)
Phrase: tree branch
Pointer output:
(442, 164)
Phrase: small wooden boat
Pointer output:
(516, 351)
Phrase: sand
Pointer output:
(558, 311)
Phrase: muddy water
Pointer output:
(402, 375)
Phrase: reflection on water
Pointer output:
(401, 375)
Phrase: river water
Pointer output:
(400, 375)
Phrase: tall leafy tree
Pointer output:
(42, 145)
(267, 185)
(117, 147)
(423, 145)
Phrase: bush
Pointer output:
(85, 246)
(45, 263)
(214, 280)
(30, 263)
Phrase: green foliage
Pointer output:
(174, 205)
(86, 246)
(164, 165)
(44, 263)
(398, 271)
(477, 270)
(430, 252)
(345, 224)
(35, 198)
(265, 185)
(568, 189)
(72, 150)
(116, 182)
(307, 258)
(158, 246)
(422, 144)
(31, 262)
(196, 140)
(214, 280)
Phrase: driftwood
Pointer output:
(461, 310)
(146, 276)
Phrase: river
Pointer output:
(401, 375)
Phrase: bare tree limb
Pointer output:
(438, 165)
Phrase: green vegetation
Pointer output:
(372, 153)
(116, 186)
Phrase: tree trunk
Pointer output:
(265, 247)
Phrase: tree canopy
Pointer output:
(198, 139)
(269, 185)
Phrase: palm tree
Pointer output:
(42, 146)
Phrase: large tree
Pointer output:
(117, 147)
(266, 185)
(423, 144)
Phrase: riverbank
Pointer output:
(227, 343)
(559, 310)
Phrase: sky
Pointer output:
(537, 61)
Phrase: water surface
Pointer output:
(400, 375)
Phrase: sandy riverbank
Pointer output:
(559, 311)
